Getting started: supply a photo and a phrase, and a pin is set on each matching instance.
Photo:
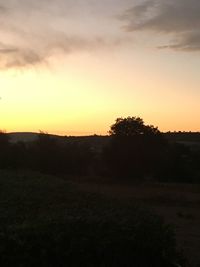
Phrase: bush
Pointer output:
(142, 240)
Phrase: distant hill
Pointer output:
(183, 136)
(30, 136)
(191, 139)
(94, 141)
(22, 137)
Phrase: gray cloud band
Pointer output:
(23, 56)
(33, 31)
(178, 19)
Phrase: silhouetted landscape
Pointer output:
(130, 198)
(99, 133)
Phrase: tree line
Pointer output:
(134, 151)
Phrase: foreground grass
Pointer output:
(46, 221)
(178, 204)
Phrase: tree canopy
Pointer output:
(132, 126)
(136, 149)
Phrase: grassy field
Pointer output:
(89, 222)
(178, 204)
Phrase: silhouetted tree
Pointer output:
(132, 126)
(135, 149)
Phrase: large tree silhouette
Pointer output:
(132, 126)
(135, 150)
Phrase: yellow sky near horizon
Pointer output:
(73, 67)
(84, 95)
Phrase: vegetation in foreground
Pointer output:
(46, 221)
(132, 151)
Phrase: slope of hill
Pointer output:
(94, 141)
(191, 139)
(22, 137)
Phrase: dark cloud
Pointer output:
(186, 42)
(13, 56)
(24, 56)
(178, 19)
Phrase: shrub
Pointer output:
(142, 240)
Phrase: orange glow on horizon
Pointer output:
(74, 99)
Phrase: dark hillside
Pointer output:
(95, 141)
(99, 141)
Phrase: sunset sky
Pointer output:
(72, 67)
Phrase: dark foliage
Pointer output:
(140, 151)
(48, 222)
(133, 150)
(141, 241)
(181, 164)
(131, 127)
(46, 154)
(5, 160)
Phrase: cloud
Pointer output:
(12, 57)
(33, 31)
(177, 19)
(27, 55)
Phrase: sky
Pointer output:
(71, 67)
